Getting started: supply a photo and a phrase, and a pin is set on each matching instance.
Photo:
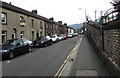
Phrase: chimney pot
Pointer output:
(60, 22)
(51, 18)
(34, 11)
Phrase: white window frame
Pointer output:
(14, 35)
(21, 34)
(22, 18)
(4, 34)
(32, 23)
(5, 17)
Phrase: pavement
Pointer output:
(87, 63)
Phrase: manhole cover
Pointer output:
(86, 73)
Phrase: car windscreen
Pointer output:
(10, 42)
(38, 39)
(41, 39)
(52, 36)
(59, 35)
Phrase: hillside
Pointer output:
(76, 26)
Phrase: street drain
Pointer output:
(86, 72)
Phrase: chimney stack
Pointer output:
(60, 22)
(34, 11)
(51, 18)
(65, 24)
(10, 3)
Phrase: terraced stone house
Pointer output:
(19, 23)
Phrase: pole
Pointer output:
(85, 14)
(95, 14)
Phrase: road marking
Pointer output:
(62, 68)
(77, 41)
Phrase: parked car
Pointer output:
(28, 41)
(14, 47)
(42, 41)
(55, 38)
(69, 35)
(60, 37)
(65, 36)
(76, 34)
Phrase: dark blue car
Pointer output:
(14, 47)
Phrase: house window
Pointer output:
(40, 33)
(21, 34)
(22, 21)
(13, 35)
(55, 27)
(32, 35)
(41, 24)
(4, 18)
(4, 36)
(46, 26)
(37, 34)
(51, 26)
(21, 18)
(32, 23)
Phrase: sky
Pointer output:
(67, 11)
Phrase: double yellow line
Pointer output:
(60, 71)
(62, 68)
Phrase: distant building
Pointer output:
(70, 30)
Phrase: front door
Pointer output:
(37, 35)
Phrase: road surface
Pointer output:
(41, 62)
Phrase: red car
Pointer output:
(65, 36)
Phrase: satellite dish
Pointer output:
(116, 0)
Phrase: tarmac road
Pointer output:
(41, 62)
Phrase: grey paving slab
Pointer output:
(87, 59)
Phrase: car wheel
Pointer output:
(51, 43)
(30, 49)
(45, 45)
(11, 54)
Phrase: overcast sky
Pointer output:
(64, 10)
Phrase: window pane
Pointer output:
(32, 35)
(3, 18)
(21, 34)
(22, 21)
(4, 35)
(32, 22)
(13, 35)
